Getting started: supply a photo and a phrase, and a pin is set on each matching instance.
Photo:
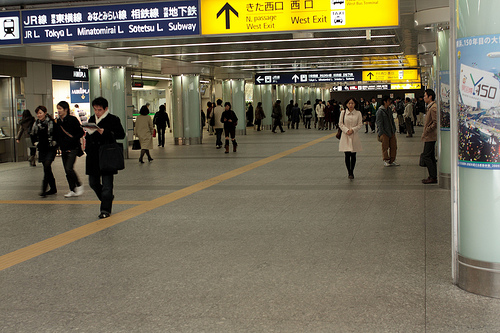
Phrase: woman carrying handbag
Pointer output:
(350, 122)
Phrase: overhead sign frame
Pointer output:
(235, 17)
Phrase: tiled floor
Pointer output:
(282, 244)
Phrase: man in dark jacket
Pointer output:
(107, 131)
(387, 132)
(161, 121)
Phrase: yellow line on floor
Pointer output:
(37, 249)
(67, 202)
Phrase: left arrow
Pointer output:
(227, 8)
(259, 79)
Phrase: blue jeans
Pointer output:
(103, 191)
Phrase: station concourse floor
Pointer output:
(273, 238)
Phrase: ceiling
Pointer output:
(242, 54)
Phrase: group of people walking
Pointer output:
(63, 134)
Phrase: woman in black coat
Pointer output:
(161, 121)
(229, 119)
(45, 133)
(108, 131)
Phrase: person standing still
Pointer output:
(25, 126)
(387, 132)
(259, 115)
(429, 137)
(350, 122)
(408, 115)
(69, 142)
(108, 131)
(320, 113)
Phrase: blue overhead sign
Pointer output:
(308, 77)
(10, 29)
(142, 20)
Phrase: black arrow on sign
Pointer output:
(227, 8)
(370, 75)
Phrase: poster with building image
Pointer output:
(478, 75)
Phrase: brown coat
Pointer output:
(430, 126)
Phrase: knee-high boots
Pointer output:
(227, 147)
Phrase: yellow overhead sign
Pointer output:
(405, 86)
(403, 75)
(247, 16)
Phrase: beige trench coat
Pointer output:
(144, 130)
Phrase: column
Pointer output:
(476, 104)
(267, 105)
(443, 100)
(111, 83)
(233, 91)
(186, 108)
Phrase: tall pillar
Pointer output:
(233, 91)
(267, 104)
(111, 83)
(443, 94)
(186, 109)
(475, 51)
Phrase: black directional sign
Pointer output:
(227, 8)
(307, 77)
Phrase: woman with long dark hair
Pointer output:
(45, 133)
(69, 142)
(229, 120)
(350, 122)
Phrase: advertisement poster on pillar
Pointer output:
(444, 95)
(478, 68)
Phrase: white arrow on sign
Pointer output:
(295, 78)
(259, 79)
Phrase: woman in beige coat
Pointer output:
(350, 122)
(144, 130)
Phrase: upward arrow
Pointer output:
(370, 75)
(227, 8)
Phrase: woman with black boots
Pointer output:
(44, 132)
(350, 122)
(230, 121)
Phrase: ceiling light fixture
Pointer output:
(244, 42)
(295, 58)
(274, 50)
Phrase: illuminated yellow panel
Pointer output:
(405, 86)
(391, 75)
(232, 17)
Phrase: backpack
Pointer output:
(400, 108)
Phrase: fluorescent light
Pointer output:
(245, 42)
(292, 64)
(295, 58)
(152, 77)
(275, 50)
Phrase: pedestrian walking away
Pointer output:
(161, 121)
(143, 129)
(25, 127)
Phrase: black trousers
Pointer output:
(161, 136)
(350, 162)
(277, 123)
(429, 158)
(68, 159)
(103, 191)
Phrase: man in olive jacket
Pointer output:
(387, 132)
(429, 137)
